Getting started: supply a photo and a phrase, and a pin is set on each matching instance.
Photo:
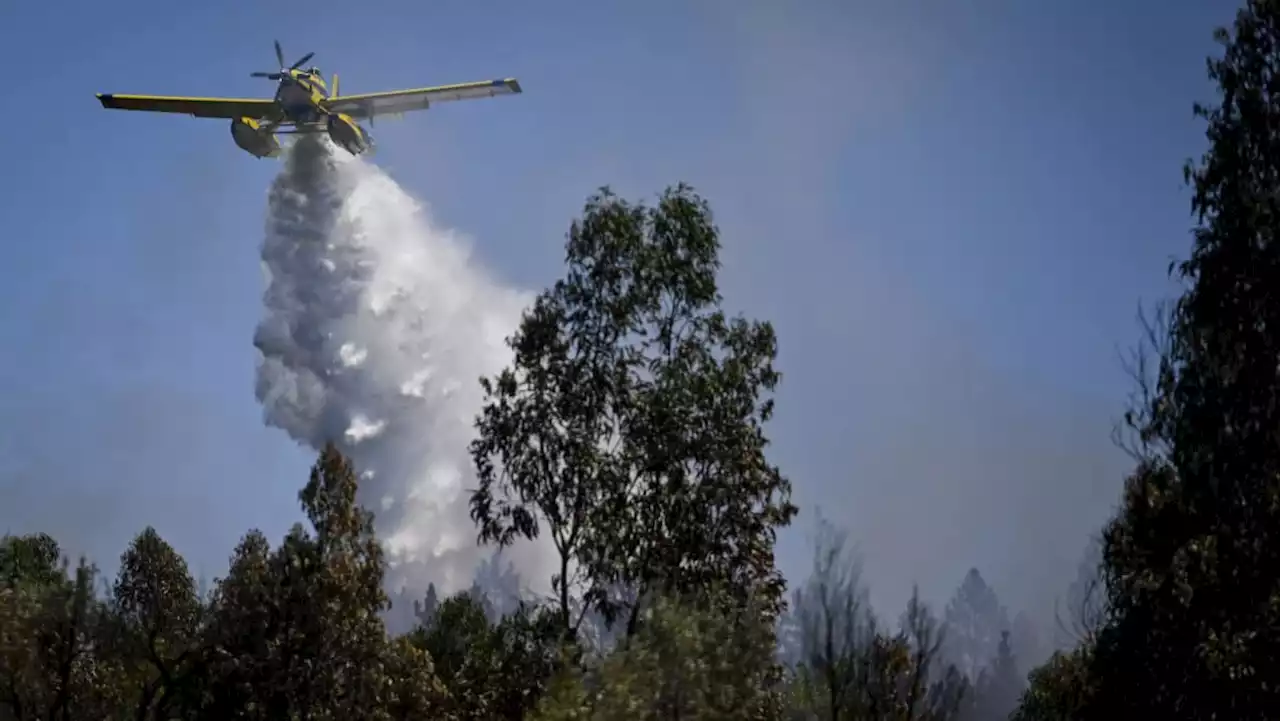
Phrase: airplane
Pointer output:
(304, 104)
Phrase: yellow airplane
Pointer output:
(303, 104)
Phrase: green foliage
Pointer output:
(492, 671)
(1059, 690)
(691, 659)
(413, 691)
(297, 632)
(288, 634)
(50, 624)
(630, 426)
(1193, 589)
(155, 625)
(30, 559)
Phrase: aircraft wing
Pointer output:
(393, 102)
(200, 107)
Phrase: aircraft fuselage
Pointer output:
(300, 97)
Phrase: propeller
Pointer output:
(283, 72)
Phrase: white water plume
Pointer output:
(377, 326)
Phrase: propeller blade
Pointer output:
(279, 54)
(301, 60)
(268, 76)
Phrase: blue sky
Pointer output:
(950, 214)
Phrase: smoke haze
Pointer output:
(376, 325)
(950, 240)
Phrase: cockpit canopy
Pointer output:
(314, 78)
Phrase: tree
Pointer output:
(931, 689)
(1192, 586)
(1059, 690)
(835, 623)
(694, 658)
(156, 618)
(426, 609)
(413, 692)
(1085, 610)
(500, 584)
(298, 633)
(288, 634)
(243, 637)
(1001, 687)
(974, 621)
(892, 676)
(481, 600)
(458, 642)
(29, 559)
(850, 668)
(50, 628)
(491, 670)
(631, 424)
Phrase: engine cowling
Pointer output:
(347, 134)
(254, 139)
